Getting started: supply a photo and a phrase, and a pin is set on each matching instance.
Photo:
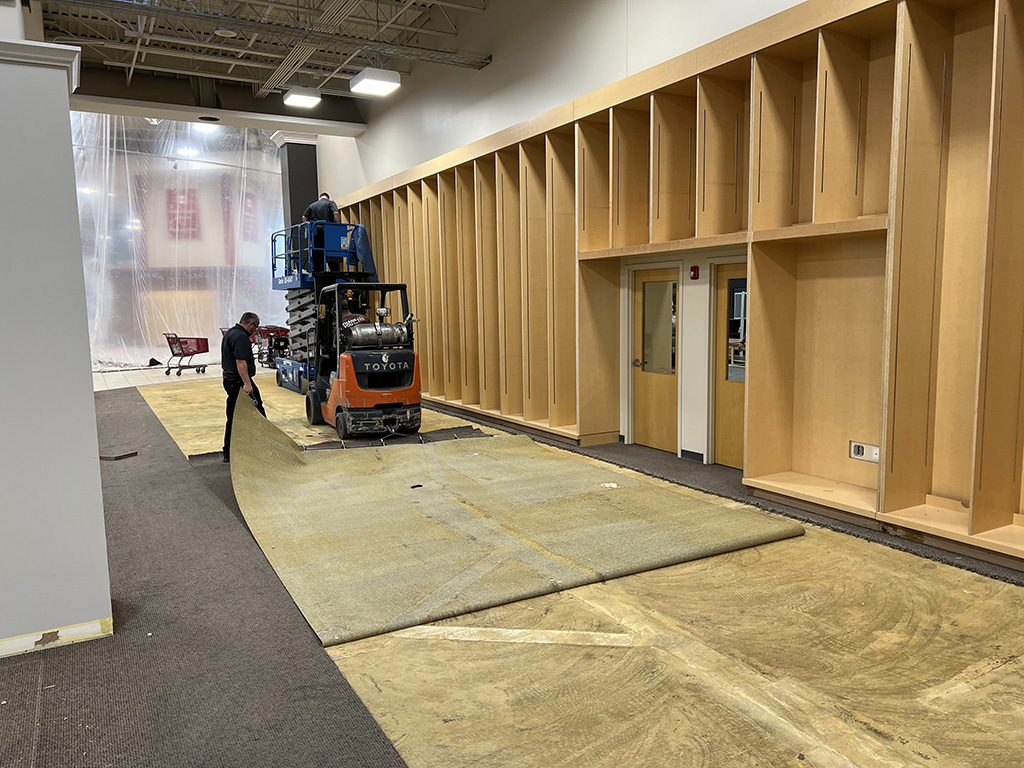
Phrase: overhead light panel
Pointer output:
(302, 97)
(375, 82)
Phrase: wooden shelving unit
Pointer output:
(723, 149)
(674, 162)
(813, 386)
(865, 156)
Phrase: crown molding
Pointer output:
(31, 53)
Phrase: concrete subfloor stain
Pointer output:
(824, 650)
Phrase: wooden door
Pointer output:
(655, 372)
(730, 362)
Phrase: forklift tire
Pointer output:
(314, 414)
(280, 381)
(303, 385)
(341, 426)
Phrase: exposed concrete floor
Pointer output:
(823, 650)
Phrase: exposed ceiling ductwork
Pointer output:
(266, 45)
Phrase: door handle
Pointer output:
(636, 363)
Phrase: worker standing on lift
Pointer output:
(323, 209)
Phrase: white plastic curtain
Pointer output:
(176, 221)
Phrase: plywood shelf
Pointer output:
(953, 525)
(657, 249)
(855, 499)
(864, 224)
(514, 419)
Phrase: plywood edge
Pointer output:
(862, 224)
(952, 526)
(76, 633)
(820, 491)
(513, 420)
(672, 246)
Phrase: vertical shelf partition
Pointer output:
(418, 283)
(944, 87)
(432, 327)
(533, 211)
(673, 162)
(510, 284)
(448, 286)
(561, 278)
(592, 181)
(782, 149)
(488, 288)
(998, 453)
(856, 60)
(630, 163)
(465, 217)
(723, 149)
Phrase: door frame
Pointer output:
(626, 328)
(713, 263)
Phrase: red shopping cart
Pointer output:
(183, 349)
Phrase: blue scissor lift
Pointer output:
(313, 255)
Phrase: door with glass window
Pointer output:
(730, 362)
(655, 369)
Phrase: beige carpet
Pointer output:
(371, 540)
(193, 413)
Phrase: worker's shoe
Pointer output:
(227, 460)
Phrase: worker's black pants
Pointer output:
(233, 388)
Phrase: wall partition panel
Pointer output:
(533, 218)
(561, 266)
(673, 162)
(465, 216)
(418, 293)
(593, 183)
(630, 157)
(782, 127)
(488, 287)
(856, 59)
(998, 454)
(433, 324)
(510, 282)
(723, 148)
(448, 279)
(386, 260)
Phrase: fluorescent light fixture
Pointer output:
(375, 82)
(302, 97)
(188, 152)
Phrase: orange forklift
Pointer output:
(365, 373)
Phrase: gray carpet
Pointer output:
(210, 664)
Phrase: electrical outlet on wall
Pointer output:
(863, 451)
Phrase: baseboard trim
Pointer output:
(76, 633)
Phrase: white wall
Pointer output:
(53, 564)
(545, 54)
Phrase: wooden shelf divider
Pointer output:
(486, 205)
(673, 163)
(466, 283)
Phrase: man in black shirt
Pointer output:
(239, 368)
(323, 209)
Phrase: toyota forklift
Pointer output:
(362, 377)
(367, 375)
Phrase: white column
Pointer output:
(54, 585)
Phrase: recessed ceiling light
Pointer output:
(205, 127)
(302, 97)
(209, 119)
(225, 32)
(375, 82)
(188, 152)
